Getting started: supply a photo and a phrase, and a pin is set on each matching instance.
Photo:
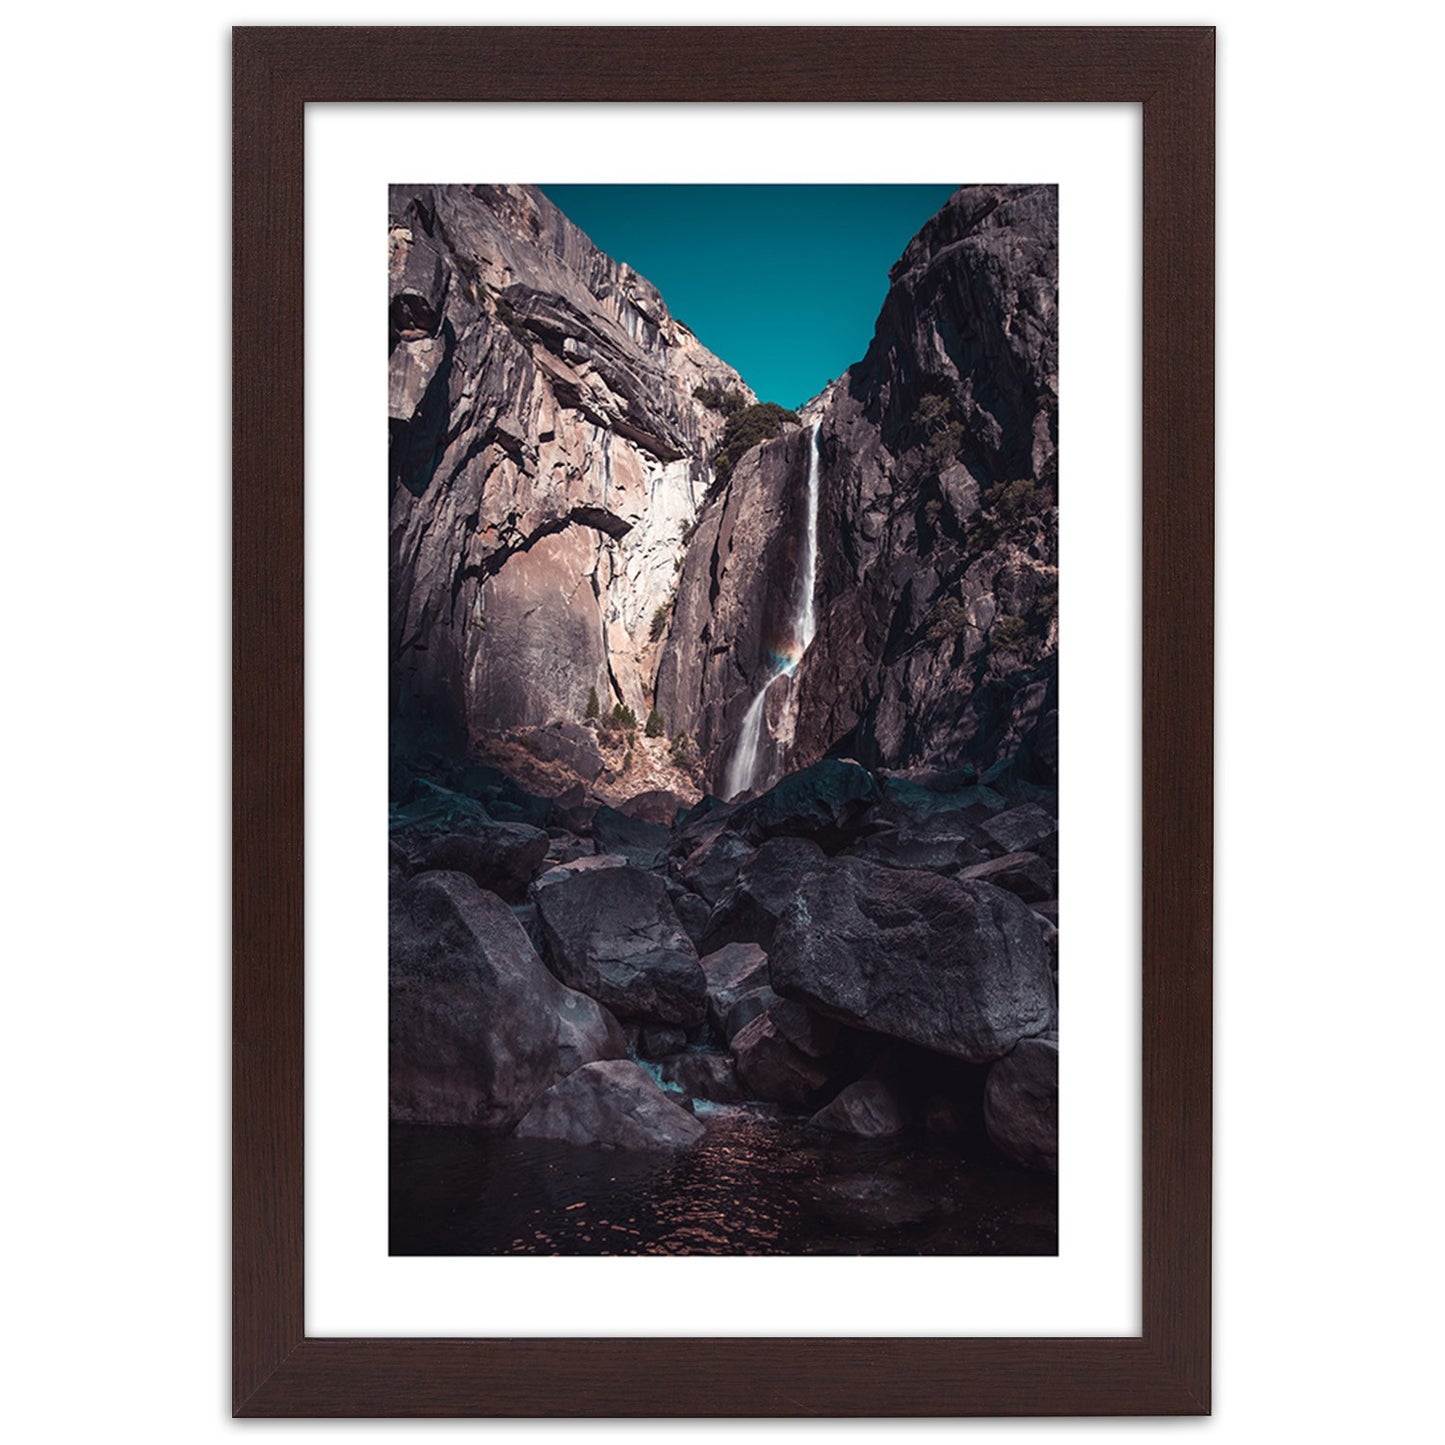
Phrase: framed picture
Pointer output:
(751, 447)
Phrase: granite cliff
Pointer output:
(547, 457)
(937, 532)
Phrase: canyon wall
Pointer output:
(938, 532)
(547, 458)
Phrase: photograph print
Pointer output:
(723, 687)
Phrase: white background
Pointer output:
(116, 252)
(1092, 1285)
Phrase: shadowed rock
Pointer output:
(612, 933)
(613, 1105)
(502, 857)
(703, 1075)
(478, 1028)
(961, 968)
(1021, 1104)
(749, 911)
(733, 972)
(1024, 874)
(872, 1106)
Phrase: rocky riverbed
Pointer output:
(818, 1019)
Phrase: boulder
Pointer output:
(702, 1074)
(568, 743)
(779, 1058)
(958, 967)
(872, 1106)
(733, 972)
(767, 884)
(712, 867)
(585, 863)
(827, 802)
(1023, 874)
(658, 805)
(613, 934)
(643, 844)
(911, 848)
(657, 1041)
(612, 1105)
(1021, 1104)
(502, 857)
(1025, 829)
(478, 1028)
(692, 912)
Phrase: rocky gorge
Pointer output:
(724, 752)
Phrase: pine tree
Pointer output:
(654, 728)
(594, 707)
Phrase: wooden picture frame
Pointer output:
(278, 1370)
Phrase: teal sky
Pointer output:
(783, 282)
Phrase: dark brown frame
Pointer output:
(278, 1371)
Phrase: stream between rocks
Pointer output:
(759, 1183)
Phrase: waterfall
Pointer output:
(742, 767)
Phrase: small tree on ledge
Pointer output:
(594, 707)
(655, 728)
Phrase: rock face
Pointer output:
(958, 967)
(1021, 1104)
(547, 457)
(612, 1105)
(502, 857)
(937, 573)
(613, 934)
(478, 1027)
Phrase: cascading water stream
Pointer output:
(743, 766)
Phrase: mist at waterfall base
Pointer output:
(742, 770)
(760, 1183)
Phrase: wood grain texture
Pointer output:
(277, 1371)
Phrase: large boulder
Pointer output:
(613, 1105)
(958, 967)
(1021, 1104)
(643, 844)
(613, 934)
(478, 1028)
(502, 857)
(828, 802)
(766, 885)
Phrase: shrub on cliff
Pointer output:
(659, 623)
(727, 400)
(746, 429)
(654, 728)
(594, 708)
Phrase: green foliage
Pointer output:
(1013, 500)
(621, 719)
(659, 622)
(681, 750)
(594, 707)
(627, 762)
(1008, 632)
(729, 401)
(655, 727)
(950, 619)
(932, 412)
(745, 429)
(932, 511)
(944, 445)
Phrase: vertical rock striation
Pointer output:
(938, 533)
(547, 458)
